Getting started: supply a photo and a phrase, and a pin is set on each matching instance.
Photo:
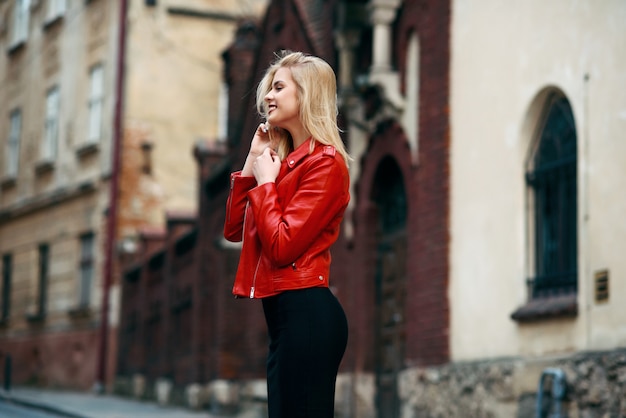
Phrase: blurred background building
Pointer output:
(482, 250)
(96, 134)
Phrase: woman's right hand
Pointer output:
(260, 141)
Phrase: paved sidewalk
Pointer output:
(89, 405)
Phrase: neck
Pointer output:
(299, 135)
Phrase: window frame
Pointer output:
(21, 21)
(86, 269)
(12, 150)
(552, 181)
(95, 104)
(50, 143)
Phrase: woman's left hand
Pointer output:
(266, 167)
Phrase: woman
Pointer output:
(286, 204)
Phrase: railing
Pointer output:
(559, 387)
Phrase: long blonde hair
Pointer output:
(317, 99)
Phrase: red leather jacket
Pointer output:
(287, 227)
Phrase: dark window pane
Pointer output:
(553, 179)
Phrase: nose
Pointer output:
(268, 96)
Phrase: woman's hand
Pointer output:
(260, 142)
(266, 167)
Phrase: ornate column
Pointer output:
(382, 15)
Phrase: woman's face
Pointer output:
(282, 101)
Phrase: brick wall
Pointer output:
(427, 302)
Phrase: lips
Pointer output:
(270, 108)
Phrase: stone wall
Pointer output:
(596, 387)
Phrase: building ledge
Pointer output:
(202, 14)
(87, 149)
(16, 46)
(46, 200)
(35, 318)
(80, 312)
(52, 21)
(544, 308)
(44, 167)
(8, 182)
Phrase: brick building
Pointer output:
(475, 130)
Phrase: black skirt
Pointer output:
(308, 334)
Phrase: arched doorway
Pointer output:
(389, 196)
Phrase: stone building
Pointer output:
(479, 261)
(100, 104)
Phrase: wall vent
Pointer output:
(601, 283)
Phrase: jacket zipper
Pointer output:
(243, 236)
(254, 277)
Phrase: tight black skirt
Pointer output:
(308, 334)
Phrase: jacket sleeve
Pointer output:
(286, 232)
(236, 205)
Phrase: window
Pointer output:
(56, 9)
(553, 183)
(51, 135)
(44, 260)
(222, 113)
(12, 154)
(86, 269)
(96, 99)
(7, 270)
(20, 21)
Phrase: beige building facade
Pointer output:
(58, 72)
(524, 60)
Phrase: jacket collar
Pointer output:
(298, 154)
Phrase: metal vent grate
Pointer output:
(602, 286)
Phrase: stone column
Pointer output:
(382, 15)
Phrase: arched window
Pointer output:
(552, 179)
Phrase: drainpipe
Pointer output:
(113, 202)
(558, 392)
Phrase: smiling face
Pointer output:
(283, 109)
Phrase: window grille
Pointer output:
(96, 99)
(51, 125)
(12, 154)
(554, 185)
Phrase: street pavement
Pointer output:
(48, 403)
(11, 410)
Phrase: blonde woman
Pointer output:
(287, 204)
